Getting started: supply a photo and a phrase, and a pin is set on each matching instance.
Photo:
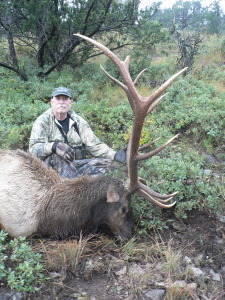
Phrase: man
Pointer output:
(62, 139)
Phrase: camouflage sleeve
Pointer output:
(39, 144)
(93, 145)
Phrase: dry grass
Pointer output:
(144, 262)
(58, 255)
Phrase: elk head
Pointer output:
(141, 107)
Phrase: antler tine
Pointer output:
(155, 103)
(156, 195)
(107, 52)
(149, 144)
(155, 151)
(139, 75)
(141, 107)
(113, 78)
(123, 67)
(163, 87)
(154, 201)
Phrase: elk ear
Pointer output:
(112, 195)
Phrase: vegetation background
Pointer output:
(39, 52)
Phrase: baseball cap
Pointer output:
(61, 91)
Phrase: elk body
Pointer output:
(35, 200)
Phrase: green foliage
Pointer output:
(110, 122)
(196, 110)
(19, 109)
(20, 267)
(147, 216)
(183, 172)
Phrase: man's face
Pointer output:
(61, 104)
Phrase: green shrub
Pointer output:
(110, 123)
(183, 172)
(20, 267)
(194, 109)
(16, 121)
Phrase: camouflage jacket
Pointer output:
(45, 132)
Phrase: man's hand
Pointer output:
(120, 156)
(64, 150)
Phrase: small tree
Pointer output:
(215, 18)
(188, 44)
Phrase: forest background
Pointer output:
(39, 52)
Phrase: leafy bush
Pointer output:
(110, 123)
(194, 109)
(183, 172)
(20, 268)
(16, 122)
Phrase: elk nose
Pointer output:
(125, 236)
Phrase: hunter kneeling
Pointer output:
(61, 138)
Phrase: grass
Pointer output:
(65, 254)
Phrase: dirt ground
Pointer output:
(102, 270)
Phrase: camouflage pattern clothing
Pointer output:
(46, 131)
(77, 168)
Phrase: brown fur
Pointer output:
(35, 200)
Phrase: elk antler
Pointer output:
(141, 107)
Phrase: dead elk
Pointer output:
(36, 200)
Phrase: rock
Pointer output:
(136, 271)
(123, 271)
(198, 259)
(192, 286)
(76, 295)
(120, 289)
(187, 260)
(221, 219)
(198, 274)
(207, 172)
(218, 240)
(54, 275)
(159, 266)
(93, 265)
(12, 295)
(130, 297)
(179, 226)
(116, 261)
(215, 276)
(179, 284)
(190, 182)
(155, 294)
(210, 159)
(158, 277)
(160, 284)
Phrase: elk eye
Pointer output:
(124, 209)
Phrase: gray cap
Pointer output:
(61, 91)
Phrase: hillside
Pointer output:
(177, 253)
